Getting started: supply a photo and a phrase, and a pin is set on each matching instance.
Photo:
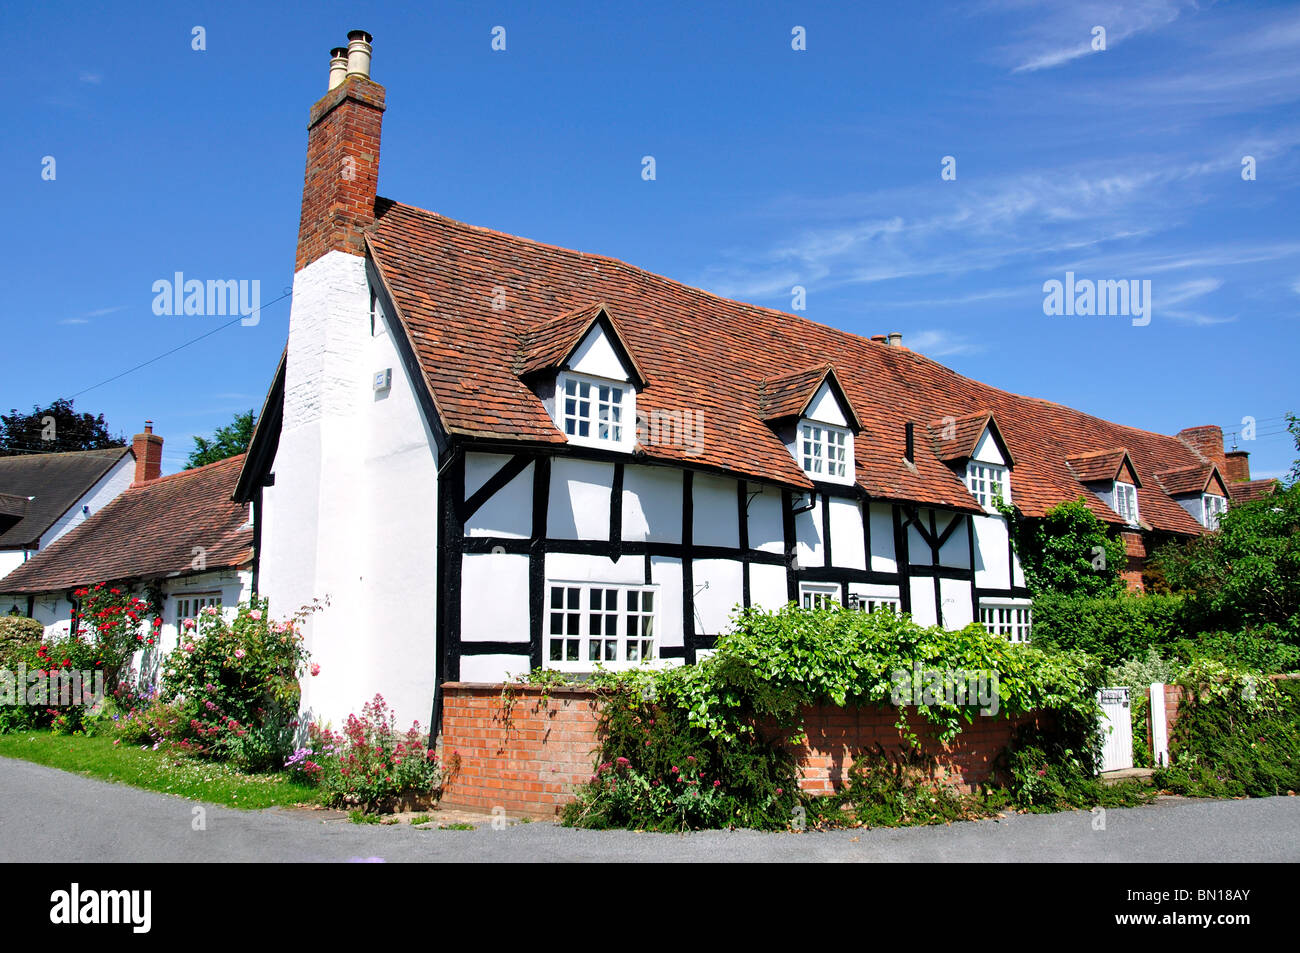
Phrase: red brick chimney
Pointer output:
(1238, 470)
(338, 195)
(147, 448)
(1208, 443)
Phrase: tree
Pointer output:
(1248, 573)
(227, 441)
(1069, 551)
(54, 429)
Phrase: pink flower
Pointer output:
(188, 646)
(717, 784)
(210, 610)
(315, 668)
(188, 624)
(239, 653)
(256, 615)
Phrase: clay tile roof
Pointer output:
(54, 482)
(1193, 479)
(150, 531)
(788, 395)
(720, 359)
(1249, 490)
(1098, 465)
(548, 345)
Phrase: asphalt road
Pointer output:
(98, 821)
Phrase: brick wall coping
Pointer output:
(521, 689)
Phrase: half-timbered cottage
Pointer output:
(491, 454)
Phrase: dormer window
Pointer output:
(592, 409)
(1212, 507)
(987, 481)
(826, 451)
(1126, 502)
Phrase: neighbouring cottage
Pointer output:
(493, 454)
(179, 540)
(44, 495)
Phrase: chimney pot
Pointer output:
(878, 338)
(359, 53)
(1238, 466)
(895, 339)
(338, 66)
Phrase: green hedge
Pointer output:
(1110, 629)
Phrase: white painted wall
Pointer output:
(718, 593)
(825, 408)
(986, 450)
(652, 504)
(494, 598)
(716, 519)
(508, 513)
(579, 499)
(352, 516)
(106, 488)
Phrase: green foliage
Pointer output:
(733, 716)
(885, 791)
(234, 686)
(1046, 777)
(1111, 629)
(1236, 736)
(371, 764)
(119, 624)
(1068, 551)
(228, 441)
(1247, 575)
(661, 772)
(1139, 674)
(19, 638)
(1259, 651)
(54, 429)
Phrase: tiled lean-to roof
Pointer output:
(150, 531)
(729, 362)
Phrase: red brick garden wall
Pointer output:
(529, 760)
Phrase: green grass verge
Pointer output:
(161, 771)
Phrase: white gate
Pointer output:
(1116, 729)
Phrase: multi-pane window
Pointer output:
(818, 595)
(593, 409)
(1214, 506)
(986, 481)
(1126, 502)
(1013, 621)
(600, 624)
(825, 451)
(189, 606)
(872, 603)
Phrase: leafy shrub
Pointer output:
(1044, 778)
(1139, 674)
(1112, 629)
(1068, 551)
(19, 637)
(234, 686)
(1263, 650)
(371, 764)
(660, 772)
(884, 791)
(118, 624)
(766, 670)
(42, 702)
(1236, 735)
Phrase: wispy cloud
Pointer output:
(939, 343)
(1046, 34)
(93, 79)
(85, 317)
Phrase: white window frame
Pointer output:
(1124, 494)
(825, 451)
(583, 627)
(1212, 507)
(982, 478)
(872, 603)
(1015, 620)
(620, 416)
(817, 595)
(190, 604)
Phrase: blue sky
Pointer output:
(774, 168)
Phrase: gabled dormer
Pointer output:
(1199, 489)
(583, 370)
(814, 418)
(974, 447)
(1111, 475)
